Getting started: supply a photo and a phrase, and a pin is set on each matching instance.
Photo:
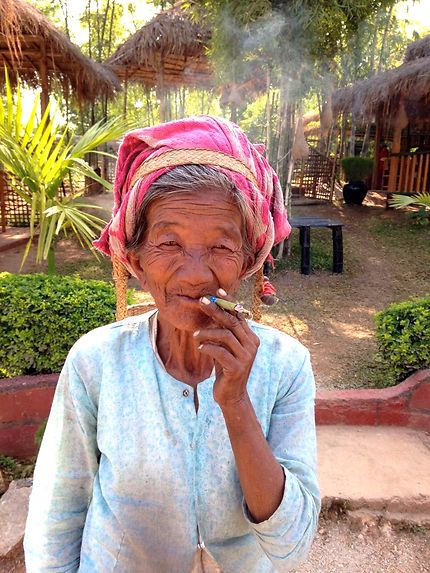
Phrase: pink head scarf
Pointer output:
(146, 154)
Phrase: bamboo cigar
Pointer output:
(228, 305)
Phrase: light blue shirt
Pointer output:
(129, 477)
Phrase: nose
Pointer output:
(195, 269)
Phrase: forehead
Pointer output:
(211, 210)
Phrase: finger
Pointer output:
(221, 337)
(235, 322)
(221, 356)
(228, 320)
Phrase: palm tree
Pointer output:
(38, 156)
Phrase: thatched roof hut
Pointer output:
(398, 102)
(418, 49)
(410, 83)
(170, 50)
(32, 46)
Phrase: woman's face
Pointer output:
(193, 246)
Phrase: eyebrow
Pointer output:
(166, 226)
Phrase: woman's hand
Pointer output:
(233, 346)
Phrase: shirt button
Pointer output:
(186, 393)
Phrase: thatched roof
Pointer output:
(409, 82)
(418, 49)
(28, 38)
(171, 49)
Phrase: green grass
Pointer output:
(321, 252)
(399, 232)
(88, 269)
(369, 371)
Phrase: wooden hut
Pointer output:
(398, 102)
(169, 51)
(33, 47)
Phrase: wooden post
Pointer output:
(160, 90)
(394, 160)
(44, 100)
(400, 122)
(378, 139)
(124, 110)
(2, 202)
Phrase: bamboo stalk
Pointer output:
(2, 203)
(420, 169)
(412, 174)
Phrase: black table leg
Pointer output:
(305, 250)
(337, 249)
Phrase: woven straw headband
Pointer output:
(177, 157)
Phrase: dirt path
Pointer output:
(339, 549)
(386, 260)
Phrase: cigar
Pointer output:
(227, 305)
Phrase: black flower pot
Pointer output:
(354, 192)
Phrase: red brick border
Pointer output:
(407, 404)
(25, 403)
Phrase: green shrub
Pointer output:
(403, 335)
(357, 168)
(42, 316)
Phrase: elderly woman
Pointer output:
(183, 439)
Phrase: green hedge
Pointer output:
(42, 316)
(403, 335)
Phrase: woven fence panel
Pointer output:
(314, 177)
(17, 211)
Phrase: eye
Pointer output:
(221, 247)
(169, 245)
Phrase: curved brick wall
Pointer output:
(25, 402)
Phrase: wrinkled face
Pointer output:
(193, 246)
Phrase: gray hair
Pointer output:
(186, 179)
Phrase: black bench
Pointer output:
(304, 225)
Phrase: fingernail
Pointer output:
(205, 300)
(222, 292)
(196, 333)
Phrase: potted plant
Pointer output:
(356, 170)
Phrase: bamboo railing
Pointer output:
(407, 173)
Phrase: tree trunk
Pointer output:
(384, 37)
(268, 114)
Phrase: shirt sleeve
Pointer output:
(286, 537)
(63, 479)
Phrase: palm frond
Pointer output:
(38, 156)
(420, 200)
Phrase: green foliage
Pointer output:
(321, 252)
(357, 168)
(39, 156)
(291, 35)
(16, 469)
(43, 316)
(102, 20)
(403, 335)
(420, 200)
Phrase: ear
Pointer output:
(134, 261)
